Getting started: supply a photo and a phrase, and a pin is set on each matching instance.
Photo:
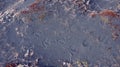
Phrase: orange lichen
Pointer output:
(109, 13)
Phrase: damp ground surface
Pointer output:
(59, 33)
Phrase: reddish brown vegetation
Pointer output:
(11, 65)
(34, 7)
(105, 12)
(109, 13)
(25, 12)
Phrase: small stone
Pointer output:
(20, 65)
(16, 54)
(26, 54)
(31, 53)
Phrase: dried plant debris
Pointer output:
(81, 63)
(27, 63)
(75, 64)
(67, 64)
(115, 35)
